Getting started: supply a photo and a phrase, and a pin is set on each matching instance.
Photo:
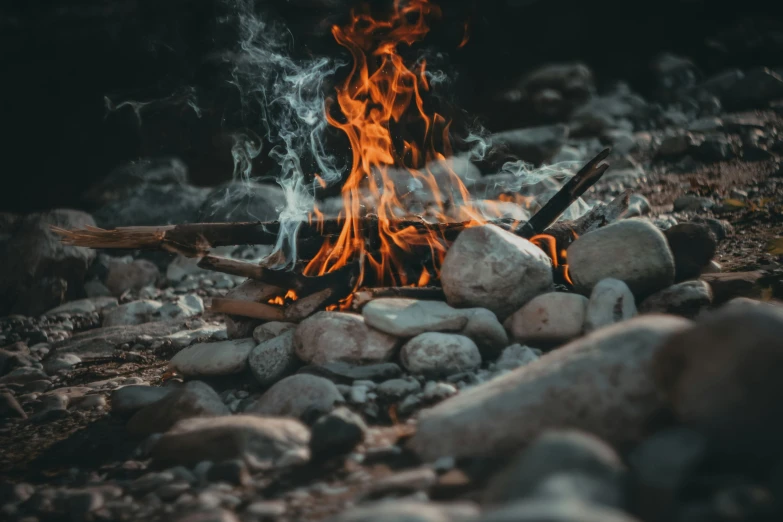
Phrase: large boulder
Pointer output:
(600, 383)
(37, 270)
(490, 268)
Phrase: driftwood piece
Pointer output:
(263, 311)
(307, 306)
(364, 296)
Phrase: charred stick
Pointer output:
(566, 196)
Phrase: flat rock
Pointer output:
(550, 318)
(301, 396)
(135, 312)
(337, 336)
(259, 441)
(611, 301)
(556, 452)
(135, 275)
(274, 359)
(490, 268)
(721, 376)
(632, 250)
(600, 383)
(408, 511)
(84, 306)
(686, 299)
(184, 306)
(270, 330)
(219, 358)
(129, 399)
(439, 354)
(403, 317)
(195, 399)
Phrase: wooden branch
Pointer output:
(365, 295)
(565, 232)
(307, 306)
(261, 311)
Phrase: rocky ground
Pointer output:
(648, 391)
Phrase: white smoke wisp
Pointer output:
(289, 94)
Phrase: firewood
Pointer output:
(307, 306)
(241, 308)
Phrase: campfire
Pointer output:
(377, 245)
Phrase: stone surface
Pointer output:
(535, 144)
(485, 330)
(686, 299)
(301, 396)
(439, 354)
(84, 306)
(490, 268)
(600, 383)
(550, 318)
(135, 275)
(61, 362)
(403, 317)
(515, 356)
(220, 358)
(184, 306)
(195, 399)
(721, 376)
(396, 389)
(43, 272)
(270, 330)
(135, 312)
(693, 246)
(10, 408)
(336, 433)
(274, 359)
(611, 301)
(129, 399)
(545, 510)
(341, 337)
(347, 372)
(731, 285)
(408, 511)
(632, 250)
(556, 452)
(259, 441)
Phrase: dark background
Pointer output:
(59, 60)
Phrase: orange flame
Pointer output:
(391, 133)
(289, 296)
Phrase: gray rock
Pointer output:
(219, 358)
(274, 359)
(43, 272)
(61, 362)
(633, 251)
(438, 391)
(565, 510)
(403, 317)
(185, 306)
(346, 372)
(720, 377)
(195, 399)
(84, 306)
(270, 330)
(135, 275)
(558, 452)
(438, 354)
(611, 301)
(327, 337)
(687, 299)
(129, 399)
(396, 389)
(184, 338)
(550, 318)
(259, 441)
(515, 356)
(408, 511)
(693, 246)
(336, 433)
(676, 144)
(135, 312)
(485, 330)
(490, 268)
(600, 383)
(536, 144)
(301, 396)
(10, 408)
